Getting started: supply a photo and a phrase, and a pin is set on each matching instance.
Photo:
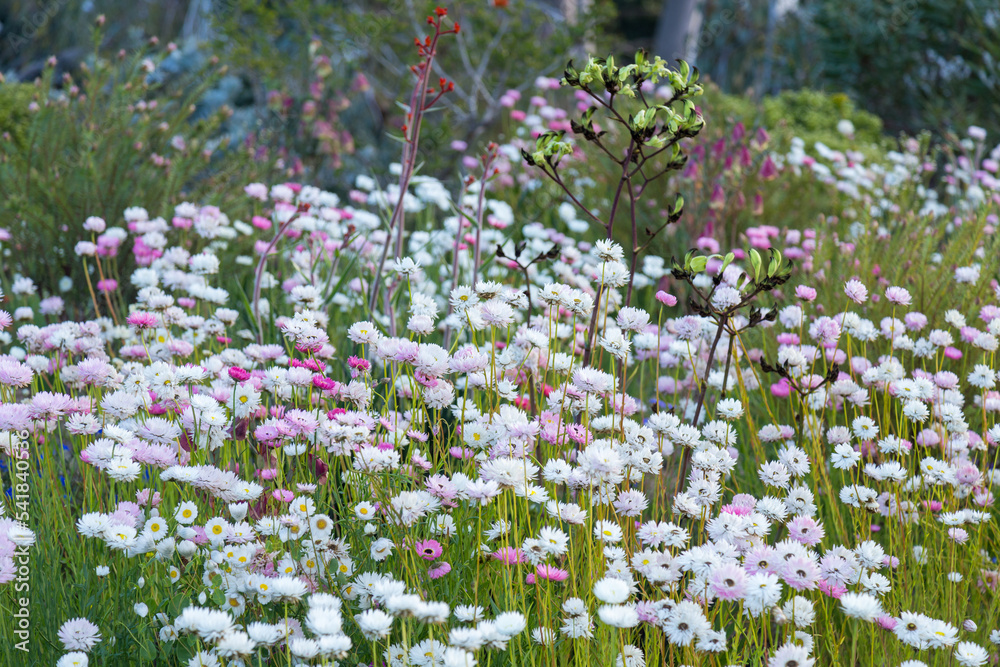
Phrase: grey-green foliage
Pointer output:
(916, 63)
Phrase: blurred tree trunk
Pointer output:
(765, 76)
(572, 9)
(197, 21)
(674, 30)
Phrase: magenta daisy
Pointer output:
(439, 570)
(428, 549)
(551, 573)
(142, 320)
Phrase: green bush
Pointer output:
(112, 138)
(810, 115)
(813, 115)
(919, 64)
(14, 101)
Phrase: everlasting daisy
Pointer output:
(791, 655)
(428, 549)
(618, 616)
(607, 531)
(728, 581)
(729, 408)
(79, 634)
(73, 659)
(186, 513)
(898, 296)
(864, 428)
(860, 605)
(611, 591)
(631, 656)
(510, 623)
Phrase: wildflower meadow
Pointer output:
(645, 385)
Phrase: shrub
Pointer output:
(14, 114)
(113, 137)
(810, 115)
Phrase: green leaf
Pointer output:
(727, 261)
(755, 262)
(775, 263)
(147, 652)
(218, 597)
(687, 260)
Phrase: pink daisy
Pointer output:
(898, 296)
(439, 570)
(551, 573)
(429, 550)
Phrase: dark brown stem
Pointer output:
(704, 391)
(418, 106)
(635, 249)
(729, 358)
(588, 345)
(558, 181)
(625, 178)
(527, 286)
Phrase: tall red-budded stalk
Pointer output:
(424, 97)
